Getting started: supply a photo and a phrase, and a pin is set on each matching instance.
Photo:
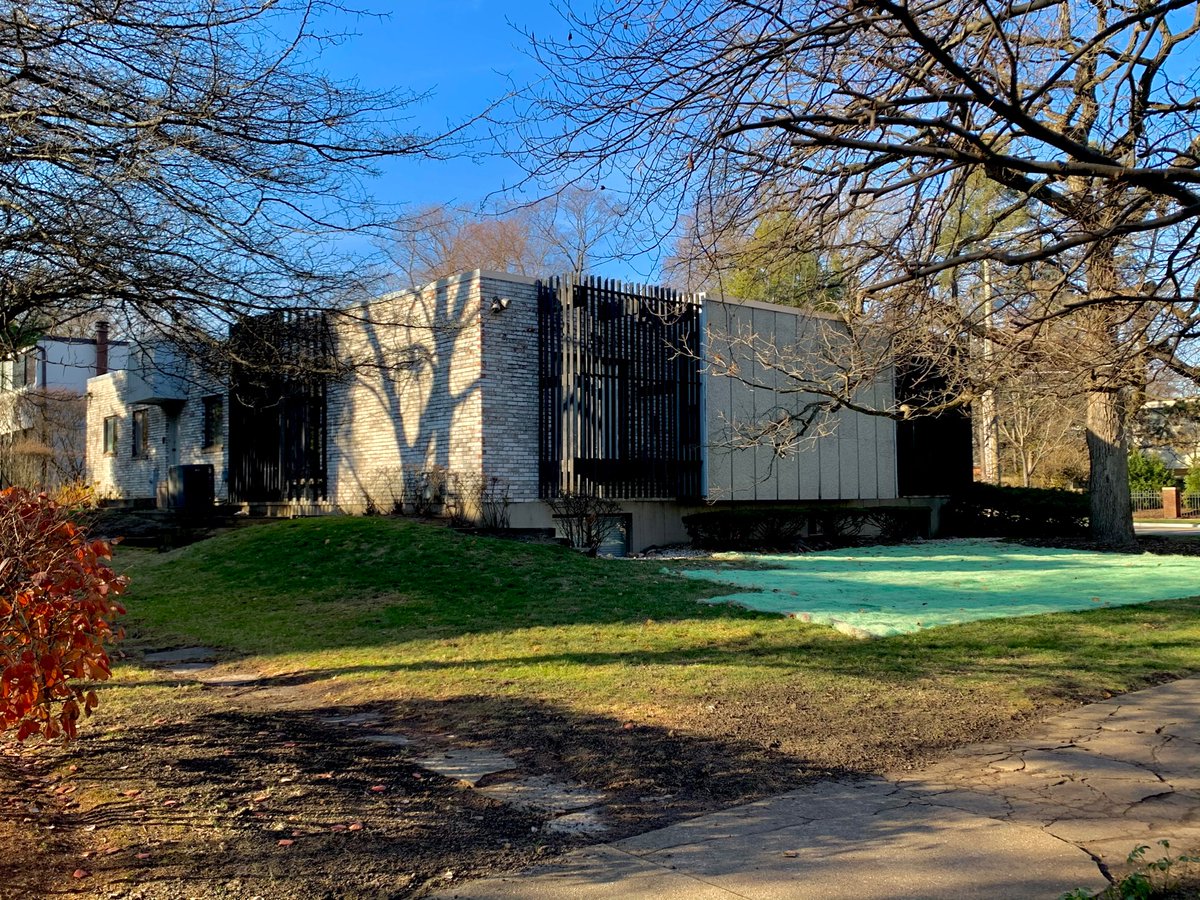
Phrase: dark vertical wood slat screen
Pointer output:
(278, 408)
(619, 377)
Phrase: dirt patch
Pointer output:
(262, 791)
(242, 803)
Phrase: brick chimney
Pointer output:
(101, 348)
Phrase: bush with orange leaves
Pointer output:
(57, 609)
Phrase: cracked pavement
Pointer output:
(1058, 809)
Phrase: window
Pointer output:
(214, 422)
(24, 368)
(141, 432)
(110, 435)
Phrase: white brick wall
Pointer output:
(510, 385)
(438, 379)
(413, 395)
(123, 475)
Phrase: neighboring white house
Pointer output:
(1170, 431)
(530, 387)
(42, 415)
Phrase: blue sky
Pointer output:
(464, 54)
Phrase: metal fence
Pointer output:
(619, 371)
(1190, 501)
(1146, 500)
(1151, 501)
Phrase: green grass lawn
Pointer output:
(485, 630)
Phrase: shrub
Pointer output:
(370, 507)
(1191, 483)
(587, 521)
(75, 497)
(383, 491)
(57, 607)
(785, 528)
(494, 501)
(425, 490)
(1148, 473)
(477, 499)
(985, 510)
(482, 499)
(462, 498)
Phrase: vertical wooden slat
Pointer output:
(569, 370)
(278, 448)
(620, 407)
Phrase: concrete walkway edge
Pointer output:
(1030, 818)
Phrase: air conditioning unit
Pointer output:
(190, 490)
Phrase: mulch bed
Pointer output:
(1184, 545)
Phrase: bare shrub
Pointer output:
(494, 501)
(425, 490)
(586, 520)
(462, 497)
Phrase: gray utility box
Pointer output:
(190, 490)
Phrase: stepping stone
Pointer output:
(182, 655)
(471, 766)
(585, 821)
(232, 679)
(391, 740)
(353, 719)
(189, 668)
(543, 795)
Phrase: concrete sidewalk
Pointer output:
(1026, 819)
(1168, 528)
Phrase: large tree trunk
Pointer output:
(1108, 405)
(1108, 452)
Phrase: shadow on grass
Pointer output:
(207, 799)
(340, 583)
(1074, 656)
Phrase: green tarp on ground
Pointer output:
(880, 591)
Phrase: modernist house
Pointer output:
(534, 387)
(42, 411)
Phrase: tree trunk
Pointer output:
(1108, 452)
(989, 439)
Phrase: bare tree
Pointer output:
(436, 241)
(178, 162)
(577, 224)
(567, 231)
(42, 439)
(871, 122)
(1036, 426)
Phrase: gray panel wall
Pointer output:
(846, 456)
